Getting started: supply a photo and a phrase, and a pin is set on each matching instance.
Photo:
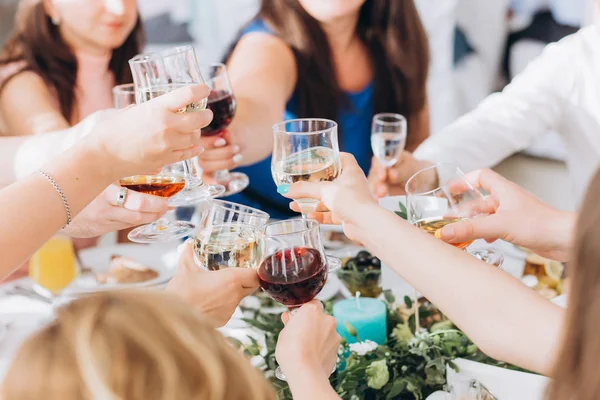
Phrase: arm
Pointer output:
(28, 107)
(31, 209)
(262, 71)
(504, 318)
(507, 122)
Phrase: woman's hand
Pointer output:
(219, 154)
(392, 181)
(217, 293)
(341, 201)
(103, 215)
(308, 342)
(520, 218)
(153, 134)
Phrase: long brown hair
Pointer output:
(576, 373)
(393, 34)
(135, 346)
(39, 46)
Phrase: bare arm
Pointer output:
(27, 106)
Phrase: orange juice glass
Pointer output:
(54, 266)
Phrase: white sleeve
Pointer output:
(507, 122)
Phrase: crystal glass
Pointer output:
(222, 103)
(388, 137)
(294, 267)
(158, 73)
(227, 236)
(305, 150)
(168, 182)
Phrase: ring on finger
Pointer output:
(121, 197)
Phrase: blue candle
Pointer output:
(368, 316)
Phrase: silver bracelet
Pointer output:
(60, 193)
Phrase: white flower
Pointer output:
(362, 348)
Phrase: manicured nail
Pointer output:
(220, 142)
(283, 189)
(236, 148)
(238, 158)
(447, 233)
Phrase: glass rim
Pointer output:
(314, 224)
(279, 127)
(127, 88)
(155, 55)
(427, 169)
(249, 210)
(401, 119)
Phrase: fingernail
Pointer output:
(181, 248)
(447, 232)
(238, 158)
(283, 189)
(220, 142)
(236, 148)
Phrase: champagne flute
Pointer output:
(168, 182)
(222, 103)
(227, 236)
(433, 204)
(294, 267)
(388, 137)
(158, 73)
(53, 267)
(305, 150)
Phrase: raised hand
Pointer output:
(519, 218)
(215, 294)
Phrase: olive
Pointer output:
(363, 254)
(363, 261)
(376, 262)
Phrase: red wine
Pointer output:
(222, 104)
(293, 276)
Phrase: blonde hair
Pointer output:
(134, 346)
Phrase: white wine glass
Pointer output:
(305, 150)
(388, 137)
(155, 74)
(227, 235)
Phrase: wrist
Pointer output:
(308, 382)
(96, 162)
(562, 227)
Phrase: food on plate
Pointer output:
(362, 274)
(126, 270)
(549, 275)
(336, 239)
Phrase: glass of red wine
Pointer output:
(222, 103)
(294, 267)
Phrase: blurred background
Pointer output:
(477, 46)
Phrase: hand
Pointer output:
(151, 135)
(392, 181)
(219, 154)
(217, 293)
(520, 218)
(344, 197)
(308, 342)
(103, 215)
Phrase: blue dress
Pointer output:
(353, 121)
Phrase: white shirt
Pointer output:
(559, 91)
(567, 12)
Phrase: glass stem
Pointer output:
(222, 175)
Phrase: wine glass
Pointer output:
(158, 73)
(227, 236)
(431, 206)
(53, 267)
(168, 182)
(222, 103)
(388, 137)
(305, 150)
(294, 267)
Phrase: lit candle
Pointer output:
(367, 316)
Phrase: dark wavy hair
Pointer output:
(38, 43)
(393, 34)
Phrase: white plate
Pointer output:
(331, 288)
(333, 244)
(98, 259)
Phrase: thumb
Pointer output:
(186, 256)
(490, 227)
(307, 190)
(180, 98)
